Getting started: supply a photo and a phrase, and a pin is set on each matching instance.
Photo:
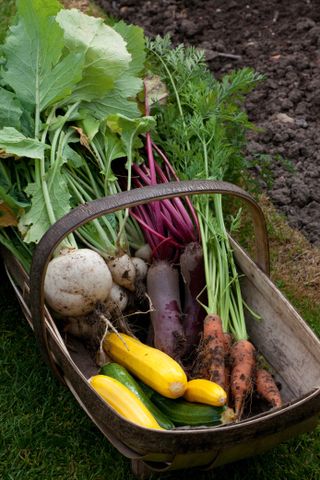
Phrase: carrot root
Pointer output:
(266, 387)
(227, 347)
(227, 340)
(210, 362)
(242, 355)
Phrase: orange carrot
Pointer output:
(227, 346)
(266, 387)
(227, 342)
(243, 363)
(210, 360)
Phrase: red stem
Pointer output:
(172, 171)
(166, 223)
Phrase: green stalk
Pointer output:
(175, 90)
(134, 234)
(206, 170)
(40, 167)
(218, 301)
(45, 190)
(82, 180)
(53, 159)
(37, 99)
(47, 125)
(237, 323)
(129, 182)
(208, 268)
(105, 244)
(110, 187)
(98, 155)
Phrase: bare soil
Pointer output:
(280, 39)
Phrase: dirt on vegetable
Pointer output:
(281, 40)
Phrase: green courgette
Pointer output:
(118, 372)
(182, 412)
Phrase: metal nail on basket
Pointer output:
(282, 337)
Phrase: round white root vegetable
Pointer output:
(75, 281)
(141, 268)
(119, 296)
(145, 253)
(123, 271)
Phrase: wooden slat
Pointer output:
(283, 337)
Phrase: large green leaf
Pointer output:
(121, 99)
(113, 103)
(13, 142)
(106, 56)
(10, 111)
(35, 68)
(134, 36)
(35, 222)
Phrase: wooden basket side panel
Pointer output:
(282, 336)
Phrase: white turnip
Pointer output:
(118, 296)
(123, 271)
(144, 252)
(141, 268)
(75, 281)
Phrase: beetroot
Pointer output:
(163, 290)
(192, 271)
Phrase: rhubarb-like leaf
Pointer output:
(69, 155)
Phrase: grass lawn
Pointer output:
(44, 434)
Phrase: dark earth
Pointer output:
(280, 39)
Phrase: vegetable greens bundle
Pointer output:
(73, 105)
(202, 128)
(68, 88)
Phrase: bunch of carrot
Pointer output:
(184, 327)
(232, 364)
(192, 331)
